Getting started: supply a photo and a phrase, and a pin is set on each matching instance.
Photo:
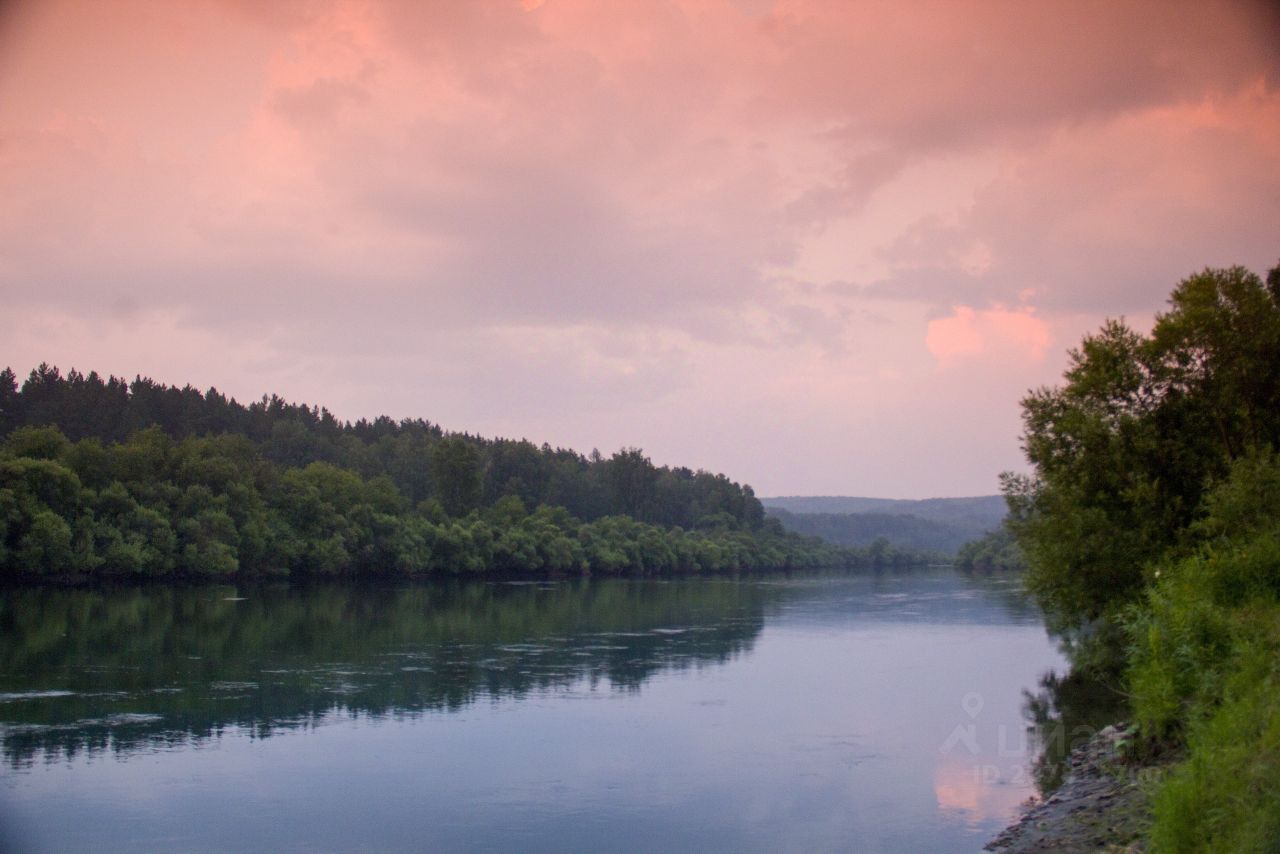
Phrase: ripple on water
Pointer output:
(126, 718)
(116, 720)
(18, 696)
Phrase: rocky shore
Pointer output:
(1100, 806)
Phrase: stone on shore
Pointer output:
(1100, 806)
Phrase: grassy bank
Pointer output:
(1205, 670)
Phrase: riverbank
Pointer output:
(1101, 805)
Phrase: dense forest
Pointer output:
(1151, 529)
(103, 476)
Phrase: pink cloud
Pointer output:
(985, 333)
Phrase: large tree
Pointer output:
(1124, 450)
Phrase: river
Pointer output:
(884, 712)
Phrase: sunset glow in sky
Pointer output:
(823, 247)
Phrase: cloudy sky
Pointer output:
(821, 246)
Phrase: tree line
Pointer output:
(103, 477)
(461, 471)
(1151, 528)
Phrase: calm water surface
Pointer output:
(868, 713)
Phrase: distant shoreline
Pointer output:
(92, 580)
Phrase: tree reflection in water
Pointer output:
(1064, 714)
(138, 668)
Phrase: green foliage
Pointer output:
(1125, 450)
(37, 443)
(455, 463)
(46, 546)
(1226, 796)
(1156, 493)
(1180, 642)
(997, 550)
(460, 472)
(1248, 501)
(1207, 612)
(219, 506)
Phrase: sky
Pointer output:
(823, 247)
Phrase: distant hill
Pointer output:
(942, 524)
(987, 507)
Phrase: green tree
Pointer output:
(1124, 450)
(46, 547)
(455, 466)
(10, 401)
(633, 480)
(38, 443)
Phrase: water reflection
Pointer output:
(878, 712)
(933, 595)
(1063, 711)
(123, 669)
(973, 791)
(1063, 714)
